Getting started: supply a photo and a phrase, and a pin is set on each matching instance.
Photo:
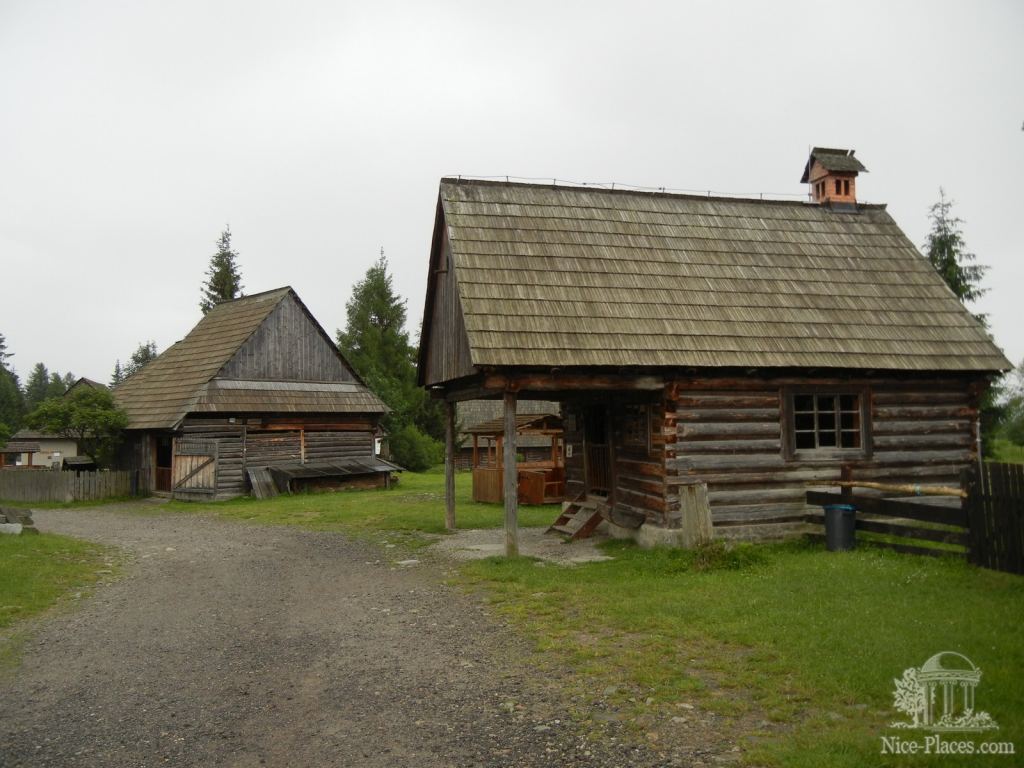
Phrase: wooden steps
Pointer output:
(578, 520)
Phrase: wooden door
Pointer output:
(597, 462)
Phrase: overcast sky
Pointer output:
(132, 132)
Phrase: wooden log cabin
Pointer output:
(257, 383)
(740, 347)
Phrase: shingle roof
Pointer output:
(473, 413)
(178, 382)
(523, 421)
(566, 276)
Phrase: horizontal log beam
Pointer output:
(893, 508)
(554, 382)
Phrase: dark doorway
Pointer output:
(164, 459)
(597, 456)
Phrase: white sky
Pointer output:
(131, 132)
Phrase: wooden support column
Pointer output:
(449, 466)
(511, 491)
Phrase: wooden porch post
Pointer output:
(510, 486)
(449, 466)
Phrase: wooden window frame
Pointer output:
(643, 417)
(792, 453)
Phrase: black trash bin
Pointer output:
(840, 520)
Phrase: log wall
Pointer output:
(241, 445)
(733, 435)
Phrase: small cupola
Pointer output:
(832, 175)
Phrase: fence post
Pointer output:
(846, 491)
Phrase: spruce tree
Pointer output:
(223, 280)
(4, 354)
(12, 401)
(376, 344)
(948, 254)
(37, 388)
(118, 375)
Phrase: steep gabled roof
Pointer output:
(184, 379)
(568, 276)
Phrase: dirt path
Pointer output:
(233, 645)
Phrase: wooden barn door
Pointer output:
(195, 465)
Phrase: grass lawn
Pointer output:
(1008, 452)
(36, 571)
(795, 646)
(413, 507)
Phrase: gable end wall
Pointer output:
(288, 346)
(448, 355)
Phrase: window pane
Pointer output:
(851, 439)
(850, 420)
(826, 402)
(805, 440)
(804, 421)
(848, 403)
(803, 403)
(827, 439)
(827, 422)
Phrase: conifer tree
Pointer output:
(12, 402)
(140, 358)
(376, 344)
(37, 388)
(223, 279)
(948, 254)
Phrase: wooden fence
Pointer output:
(51, 485)
(911, 526)
(995, 509)
(986, 526)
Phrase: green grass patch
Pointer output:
(806, 640)
(411, 508)
(1005, 451)
(36, 571)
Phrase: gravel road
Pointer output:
(226, 644)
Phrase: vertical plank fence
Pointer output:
(995, 513)
(54, 486)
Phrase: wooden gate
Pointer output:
(195, 465)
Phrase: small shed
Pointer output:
(538, 481)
